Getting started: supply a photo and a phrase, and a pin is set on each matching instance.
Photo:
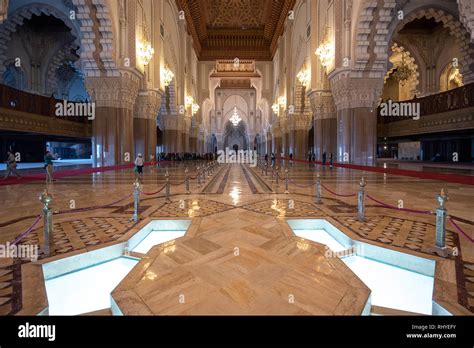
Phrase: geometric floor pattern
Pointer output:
(269, 273)
(284, 208)
(247, 219)
(83, 232)
(395, 231)
(196, 207)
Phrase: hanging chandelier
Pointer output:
(189, 101)
(235, 119)
(304, 76)
(403, 71)
(144, 52)
(275, 108)
(325, 51)
(167, 76)
(282, 101)
(194, 108)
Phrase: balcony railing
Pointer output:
(14, 99)
(454, 99)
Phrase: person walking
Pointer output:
(11, 166)
(291, 158)
(48, 165)
(324, 158)
(330, 160)
(139, 165)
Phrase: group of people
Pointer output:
(186, 156)
(139, 161)
(311, 158)
(12, 166)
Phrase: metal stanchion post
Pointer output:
(361, 201)
(199, 176)
(440, 247)
(167, 189)
(266, 169)
(187, 181)
(318, 189)
(277, 174)
(47, 199)
(136, 200)
(286, 181)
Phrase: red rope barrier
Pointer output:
(178, 184)
(154, 193)
(28, 231)
(396, 208)
(337, 194)
(460, 229)
(91, 208)
(310, 185)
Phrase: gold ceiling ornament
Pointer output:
(325, 50)
(167, 76)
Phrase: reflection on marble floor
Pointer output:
(225, 199)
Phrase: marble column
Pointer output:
(325, 123)
(144, 123)
(277, 146)
(169, 124)
(114, 98)
(286, 142)
(301, 144)
(299, 125)
(186, 126)
(268, 149)
(355, 100)
(357, 135)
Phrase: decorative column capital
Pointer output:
(322, 104)
(147, 104)
(115, 91)
(349, 93)
(299, 122)
(169, 122)
(276, 131)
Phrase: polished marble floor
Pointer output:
(234, 200)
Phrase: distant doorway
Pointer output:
(235, 147)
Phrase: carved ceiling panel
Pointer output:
(236, 13)
(228, 29)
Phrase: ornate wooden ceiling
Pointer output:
(228, 29)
